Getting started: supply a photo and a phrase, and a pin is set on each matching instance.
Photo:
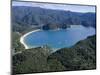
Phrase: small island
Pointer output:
(54, 26)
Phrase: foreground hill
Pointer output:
(80, 56)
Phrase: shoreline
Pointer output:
(26, 34)
(23, 36)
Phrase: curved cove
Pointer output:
(57, 39)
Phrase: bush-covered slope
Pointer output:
(80, 56)
(35, 60)
(16, 44)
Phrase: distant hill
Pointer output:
(25, 17)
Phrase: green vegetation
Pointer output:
(16, 44)
(81, 56)
(25, 18)
(35, 60)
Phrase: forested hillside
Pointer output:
(24, 17)
(81, 56)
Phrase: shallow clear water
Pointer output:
(57, 39)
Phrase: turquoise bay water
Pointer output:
(57, 39)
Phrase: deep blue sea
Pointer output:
(57, 39)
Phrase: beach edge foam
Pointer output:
(23, 37)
